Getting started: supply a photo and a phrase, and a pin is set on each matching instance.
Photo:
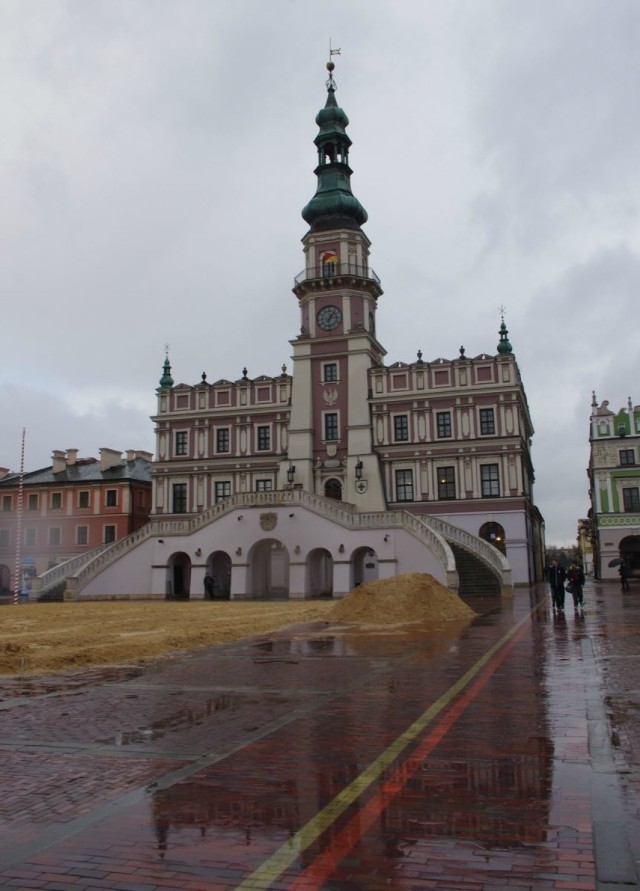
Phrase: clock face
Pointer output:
(329, 317)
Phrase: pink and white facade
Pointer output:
(310, 482)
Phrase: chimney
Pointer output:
(109, 458)
(72, 457)
(4, 471)
(131, 455)
(59, 460)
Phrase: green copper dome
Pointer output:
(333, 206)
(504, 345)
(166, 380)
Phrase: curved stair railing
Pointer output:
(340, 512)
(54, 576)
(490, 556)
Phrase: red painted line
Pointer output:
(326, 863)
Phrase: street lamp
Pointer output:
(359, 466)
(291, 472)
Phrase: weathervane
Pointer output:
(331, 84)
(502, 310)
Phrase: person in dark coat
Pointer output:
(576, 580)
(624, 575)
(556, 578)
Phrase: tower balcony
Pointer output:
(336, 275)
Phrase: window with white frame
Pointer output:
(56, 500)
(487, 422)
(111, 499)
(7, 502)
(55, 536)
(222, 439)
(490, 480)
(264, 485)
(82, 535)
(32, 503)
(331, 431)
(179, 498)
(330, 372)
(446, 483)
(404, 485)
(4, 538)
(443, 424)
(263, 443)
(30, 537)
(401, 428)
(109, 534)
(222, 490)
(83, 499)
(181, 442)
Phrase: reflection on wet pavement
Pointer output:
(263, 764)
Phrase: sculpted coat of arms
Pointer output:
(268, 521)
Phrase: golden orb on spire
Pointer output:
(330, 66)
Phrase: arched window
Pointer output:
(494, 534)
(333, 489)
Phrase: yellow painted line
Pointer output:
(269, 871)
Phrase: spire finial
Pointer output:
(331, 84)
(166, 380)
(504, 347)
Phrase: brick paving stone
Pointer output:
(162, 779)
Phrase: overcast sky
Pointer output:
(155, 156)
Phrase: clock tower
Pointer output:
(330, 443)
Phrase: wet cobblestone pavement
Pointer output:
(502, 756)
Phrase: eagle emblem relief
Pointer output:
(330, 396)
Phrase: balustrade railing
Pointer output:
(478, 546)
(333, 270)
(435, 533)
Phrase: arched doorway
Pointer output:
(178, 576)
(217, 580)
(268, 569)
(364, 567)
(630, 552)
(333, 489)
(494, 534)
(5, 578)
(320, 573)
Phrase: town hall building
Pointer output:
(344, 469)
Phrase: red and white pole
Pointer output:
(17, 573)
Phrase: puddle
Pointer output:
(179, 721)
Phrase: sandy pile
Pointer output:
(42, 637)
(413, 597)
(45, 637)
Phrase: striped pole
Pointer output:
(17, 573)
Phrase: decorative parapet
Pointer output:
(620, 520)
(431, 531)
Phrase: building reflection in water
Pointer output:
(490, 781)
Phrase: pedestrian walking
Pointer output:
(624, 575)
(557, 577)
(575, 576)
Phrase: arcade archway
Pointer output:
(178, 576)
(217, 579)
(364, 566)
(319, 573)
(268, 573)
(630, 552)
